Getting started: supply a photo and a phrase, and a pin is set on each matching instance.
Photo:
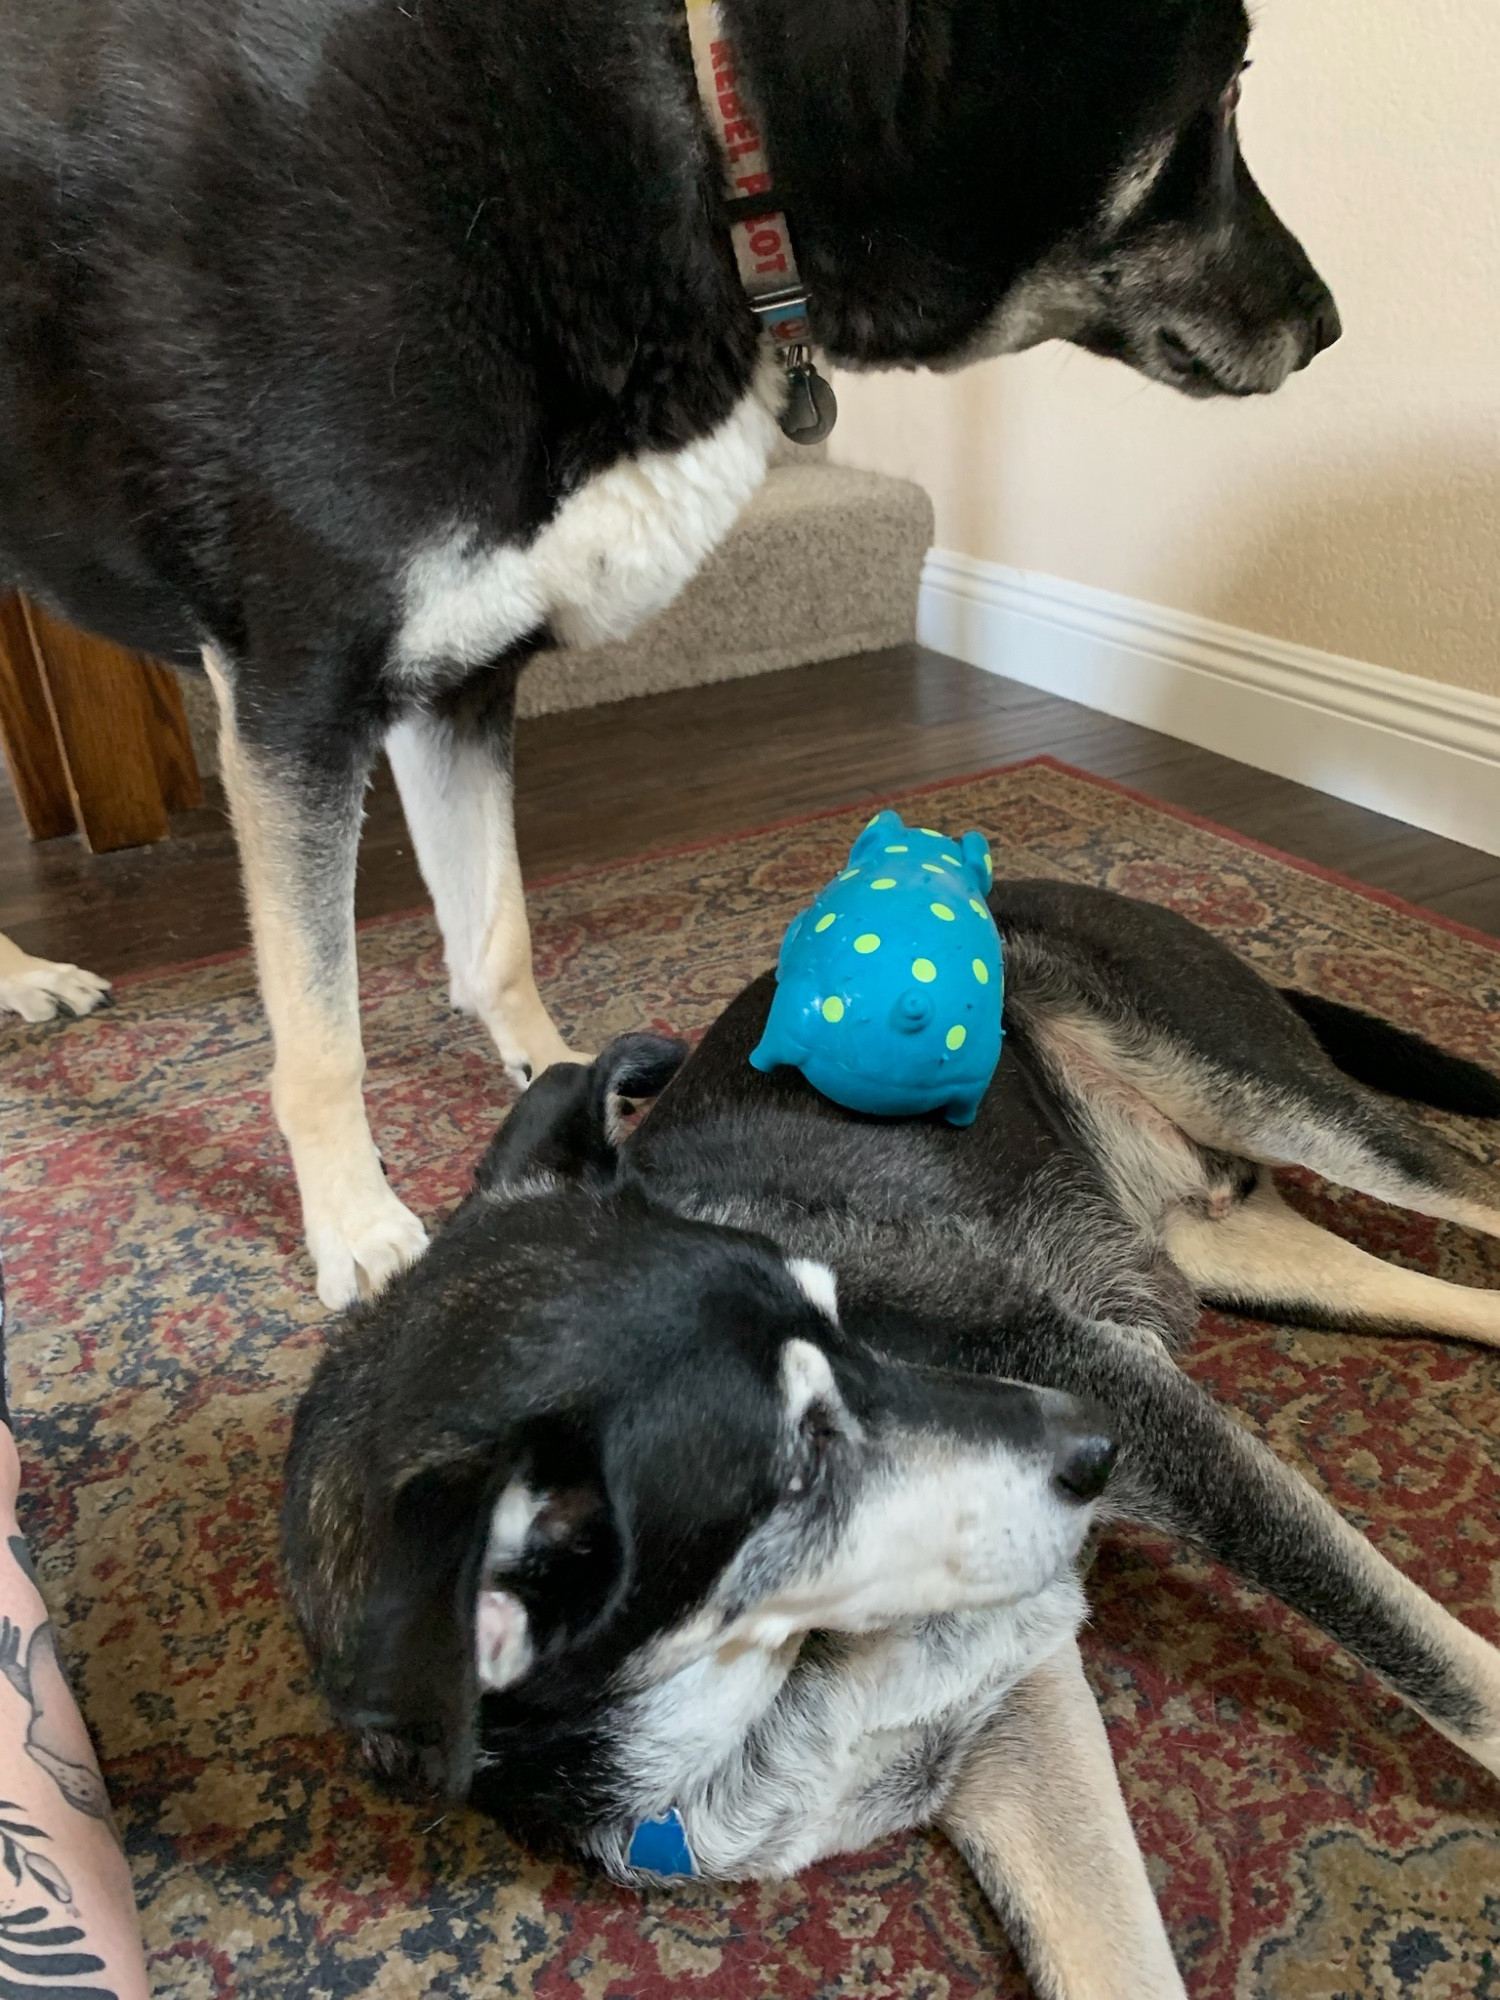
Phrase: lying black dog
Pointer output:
(360, 345)
(682, 1501)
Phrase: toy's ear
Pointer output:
(976, 852)
(886, 825)
(568, 1121)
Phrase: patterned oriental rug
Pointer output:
(1309, 1839)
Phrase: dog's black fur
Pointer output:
(624, 1313)
(361, 346)
(284, 289)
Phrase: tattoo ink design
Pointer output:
(45, 1953)
(55, 1736)
(41, 1949)
(20, 1860)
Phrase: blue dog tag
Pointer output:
(660, 1846)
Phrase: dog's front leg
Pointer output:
(454, 775)
(1038, 1815)
(297, 825)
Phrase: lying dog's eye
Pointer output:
(819, 1430)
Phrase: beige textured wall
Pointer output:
(1359, 509)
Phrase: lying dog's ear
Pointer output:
(555, 1567)
(410, 1677)
(567, 1122)
(483, 1569)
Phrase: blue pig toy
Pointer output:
(889, 989)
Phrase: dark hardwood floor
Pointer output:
(602, 783)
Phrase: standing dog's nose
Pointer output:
(1320, 319)
(1082, 1461)
(1327, 327)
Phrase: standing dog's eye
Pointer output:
(819, 1430)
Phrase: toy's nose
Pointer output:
(913, 1010)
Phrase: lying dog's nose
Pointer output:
(1076, 1430)
(1082, 1461)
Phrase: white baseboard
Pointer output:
(1417, 750)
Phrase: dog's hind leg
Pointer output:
(1270, 1094)
(1037, 1814)
(1354, 1136)
(454, 775)
(1263, 1257)
(1106, 984)
(297, 826)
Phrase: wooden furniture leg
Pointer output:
(26, 732)
(171, 742)
(95, 735)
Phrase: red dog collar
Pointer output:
(757, 227)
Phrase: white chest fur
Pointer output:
(773, 1768)
(617, 551)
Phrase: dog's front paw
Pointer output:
(359, 1247)
(36, 988)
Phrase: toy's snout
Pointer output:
(912, 1012)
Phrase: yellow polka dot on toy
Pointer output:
(848, 875)
(941, 910)
(956, 1037)
(833, 1008)
(981, 972)
(885, 882)
(977, 907)
(932, 867)
(866, 944)
(898, 850)
(823, 922)
(923, 969)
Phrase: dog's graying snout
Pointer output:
(1083, 1451)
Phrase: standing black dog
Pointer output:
(685, 1500)
(358, 346)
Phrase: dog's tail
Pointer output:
(1392, 1060)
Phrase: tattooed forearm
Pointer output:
(43, 1952)
(55, 1736)
(67, 1911)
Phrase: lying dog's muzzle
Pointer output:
(1073, 1435)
